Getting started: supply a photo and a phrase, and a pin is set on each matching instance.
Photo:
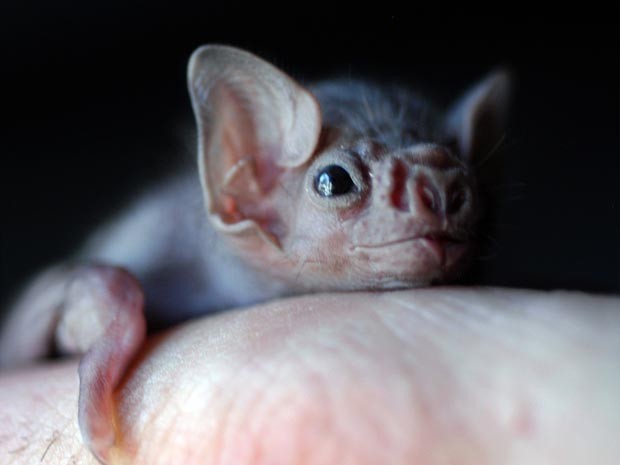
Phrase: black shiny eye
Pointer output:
(333, 180)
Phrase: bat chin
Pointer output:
(412, 262)
(413, 278)
(398, 264)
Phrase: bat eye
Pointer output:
(333, 180)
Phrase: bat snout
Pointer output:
(438, 200)
(440, 196)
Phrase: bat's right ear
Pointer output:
(254, 122)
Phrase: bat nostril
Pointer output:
(429, 196)
(441, 202)
(456, 199)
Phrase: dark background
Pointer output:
(95, 104)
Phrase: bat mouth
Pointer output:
(440, 238)
(446, 249)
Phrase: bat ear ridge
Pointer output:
(254, 123)
(282, 111)
(476, 122)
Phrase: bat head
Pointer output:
(343, 186)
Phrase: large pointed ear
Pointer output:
(254, 122)
(476, 122)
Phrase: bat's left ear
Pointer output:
(254, 123)
(476, 122)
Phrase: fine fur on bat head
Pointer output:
(343, 185)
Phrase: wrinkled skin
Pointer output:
(430, 376)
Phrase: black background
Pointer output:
(95, 104)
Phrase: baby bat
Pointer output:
(345, 185)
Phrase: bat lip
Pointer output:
(444, 248)
(440, 238)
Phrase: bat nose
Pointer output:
(433, 194)
(438, 198)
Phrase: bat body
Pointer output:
(345, 185)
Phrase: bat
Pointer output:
(343, 185)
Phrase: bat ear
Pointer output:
(254, 122)
(476, 122)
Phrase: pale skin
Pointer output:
(344, 186)
(429, 376)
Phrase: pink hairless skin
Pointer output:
(429, 376)
(341, 186)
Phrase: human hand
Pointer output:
(429, 376)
